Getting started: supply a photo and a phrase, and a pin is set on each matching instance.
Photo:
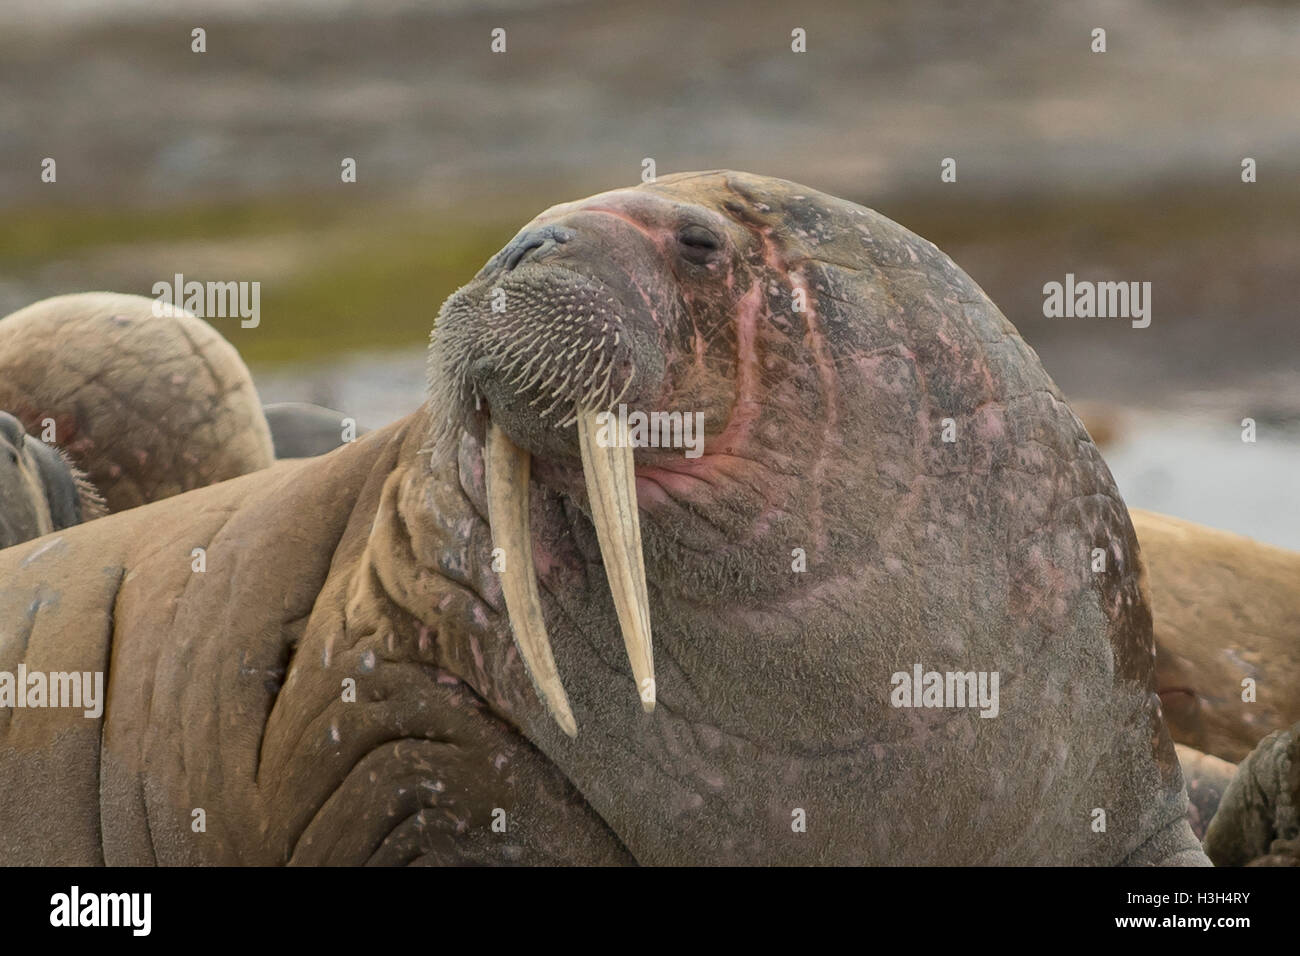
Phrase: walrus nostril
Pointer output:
(518, 253)
(523, 245)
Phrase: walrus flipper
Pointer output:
(1258, 823)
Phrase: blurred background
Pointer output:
(1123, 165)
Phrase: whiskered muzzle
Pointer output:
(543, 343)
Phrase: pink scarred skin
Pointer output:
(828, 349)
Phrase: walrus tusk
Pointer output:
(507, 492)
(611, 486)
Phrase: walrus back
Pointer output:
(163, 602)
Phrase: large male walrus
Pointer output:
(146, 405)
(495, 632)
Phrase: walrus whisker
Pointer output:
(631, 375)
(559, 400)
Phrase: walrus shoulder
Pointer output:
(173, 603)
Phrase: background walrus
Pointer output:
(829, 350)
(1258, 823)
(1227, 631)
(40, 491)
(148, 406)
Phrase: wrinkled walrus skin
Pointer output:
(1258, 823)
(824, 429)
(146, 405)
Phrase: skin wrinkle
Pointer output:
(273, 706)
(329, 795)
(469, 500)
(99, 754)
(266, 721)
(188, 690)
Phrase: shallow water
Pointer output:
(1201, 470)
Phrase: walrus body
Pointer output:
(226, 694)
(1227, 624)
(828, 541)
(146, 405)
(40, 491)
(1258, 821)
(303, 430)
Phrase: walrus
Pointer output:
(1207, 778)
(1227, 633)
(494, 631)
(303, 430)
(1258, 821)
(40, 491)
(146, 405)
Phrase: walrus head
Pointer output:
(40, 490)
(888, 478)
(652, 299)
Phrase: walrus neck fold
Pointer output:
(451, 580)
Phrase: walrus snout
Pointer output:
(40, 490)
(532, 240)
(563, 324)
(565, 317)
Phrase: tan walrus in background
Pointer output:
(1226, 614)
(147, 406)
(1226, 609)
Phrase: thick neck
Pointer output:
(731, 712)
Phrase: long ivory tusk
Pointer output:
(611, 486)
(507, 491)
